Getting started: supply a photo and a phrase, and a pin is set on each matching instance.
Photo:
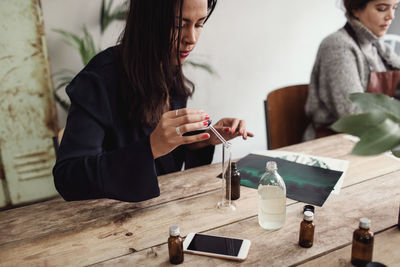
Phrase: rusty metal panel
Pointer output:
(29, 166)
(27, 108)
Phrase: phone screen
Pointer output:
(216, 244)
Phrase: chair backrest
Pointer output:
(285, 116)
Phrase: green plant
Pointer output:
(86, 47)
(378, 127)
(107, 16)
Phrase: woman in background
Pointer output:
(128, 120)
(352, 60)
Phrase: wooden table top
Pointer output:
(113, 233)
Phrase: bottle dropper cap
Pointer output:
(308, 216)
(233, 165)
(271, 166)
(174, 230)
(308, 208)
(365, 223)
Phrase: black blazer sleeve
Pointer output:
(84, 170)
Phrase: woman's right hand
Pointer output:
(168, 133)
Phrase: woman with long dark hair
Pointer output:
(353, 59)
(128, 120)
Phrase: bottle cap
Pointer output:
(308, 208)
(233, 165)
(308, 216)
(365, 223)
(271, 166)
(174, 230)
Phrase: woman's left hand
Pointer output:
(229, 128)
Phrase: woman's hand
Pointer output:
(168, 133)
(229, 128)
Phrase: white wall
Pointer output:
(395, 27)
(255, 46)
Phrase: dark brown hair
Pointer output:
(147, 71)
(352, 5)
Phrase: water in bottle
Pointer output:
(271, 199)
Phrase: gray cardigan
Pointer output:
(343, 67)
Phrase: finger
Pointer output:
(247, 134)
(191, 118)
(242, 129)
(182, 112)
(195, 138)
(190, 127)
(234, 125)
(250, 134)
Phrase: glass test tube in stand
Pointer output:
(225, 203)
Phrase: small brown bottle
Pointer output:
(363, 243)
(306, 237)
(235, 182)
(175, 245)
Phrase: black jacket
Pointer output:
(103, 155)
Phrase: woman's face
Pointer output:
(377, 15)
(194, 13)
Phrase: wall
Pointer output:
(395, 27)
(255, 46)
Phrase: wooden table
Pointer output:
(112, 233)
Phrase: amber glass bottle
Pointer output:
(363, 243)
(306, 237)
(235, 182)
(175, 245)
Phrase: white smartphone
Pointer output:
(217, 246)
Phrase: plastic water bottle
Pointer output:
(271, 199)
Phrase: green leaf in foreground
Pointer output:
(377, 102)
(378, 139)
(358, 124)
(396, 151)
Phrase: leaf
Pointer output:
(70, 38)
(203, 66)
(107, 17)
(378, 139)
(84, 45)
(63, 77)
(64, 104)
(63, 81)
(87, 49)
(358, 124)
(377, 102)
(396, 151)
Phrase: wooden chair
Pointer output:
(285, 116)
